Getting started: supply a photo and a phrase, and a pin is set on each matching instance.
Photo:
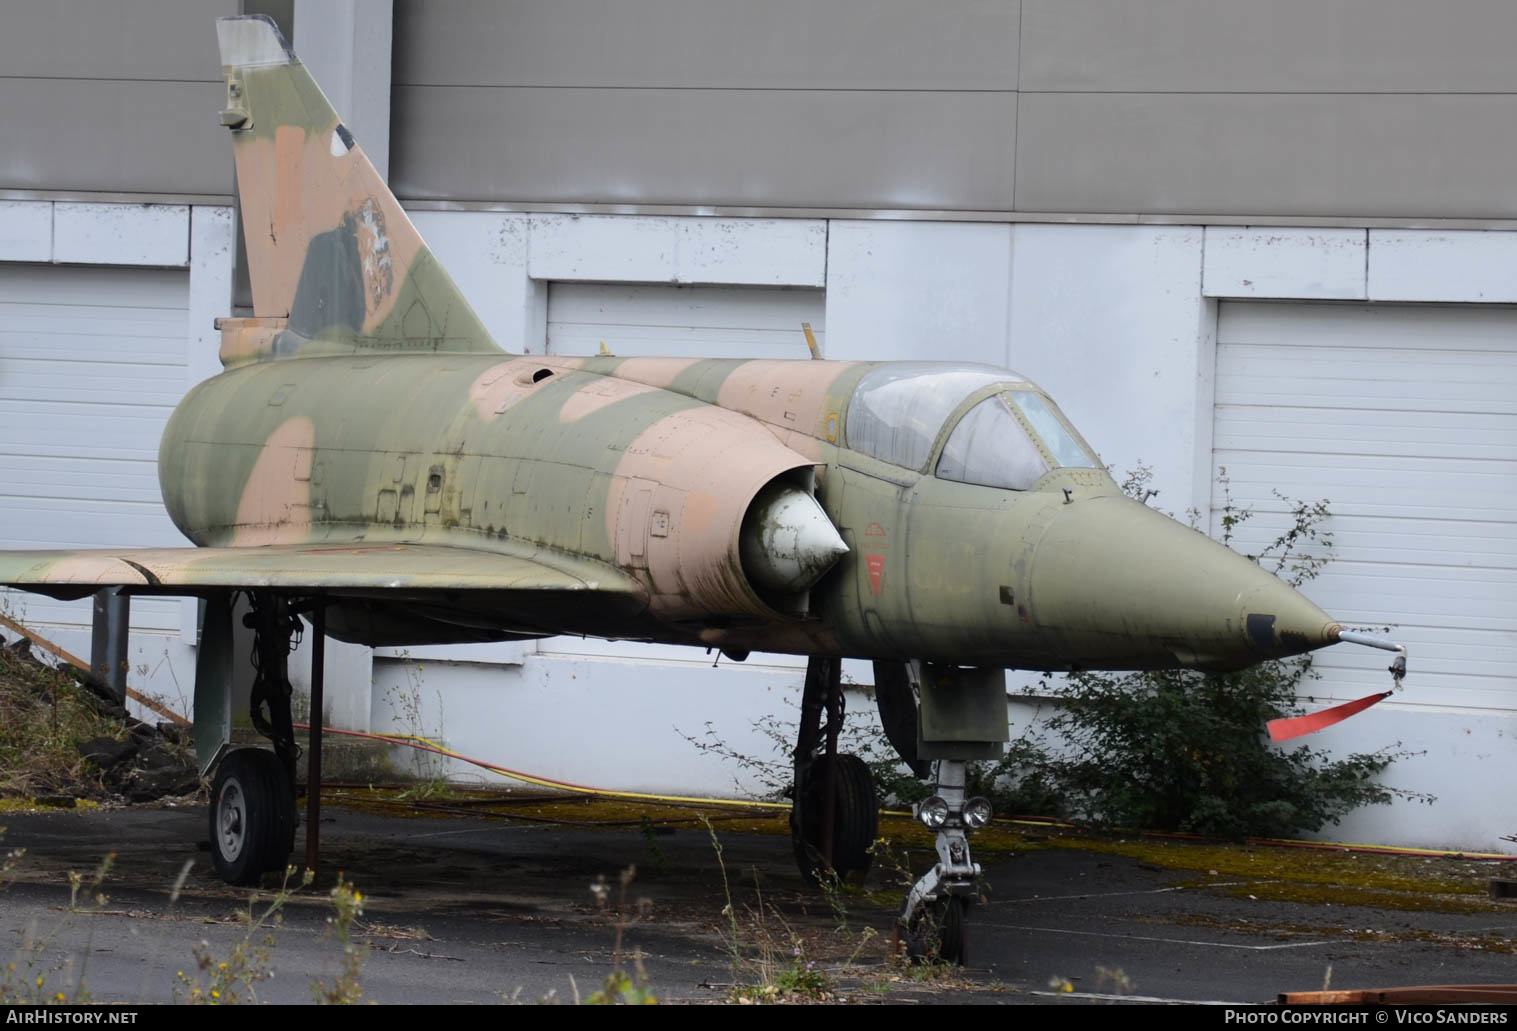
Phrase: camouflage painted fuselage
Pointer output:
(648, 466)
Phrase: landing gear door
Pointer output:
(213, 678)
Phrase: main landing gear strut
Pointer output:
(253, 814)
(835, 816)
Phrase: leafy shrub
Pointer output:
(1186, 751)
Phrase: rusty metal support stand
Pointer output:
(313, 748)
(108, 640)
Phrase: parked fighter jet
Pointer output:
(370, 459)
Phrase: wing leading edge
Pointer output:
(377, 594)
(347, 568)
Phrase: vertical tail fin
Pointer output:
(329, 247)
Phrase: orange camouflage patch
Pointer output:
(275, 504)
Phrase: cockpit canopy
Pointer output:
(1007, 434)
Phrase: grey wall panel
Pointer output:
(113, 96)
(1334, 155)
(1361, 46)
(728, 147)
(113, 39)
(122, 135)
(808, 44)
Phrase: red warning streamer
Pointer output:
(1297, 726)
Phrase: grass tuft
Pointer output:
(44, 717)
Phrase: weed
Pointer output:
(232, 981)
(180, 703)
(344, 989)
(799, 978)
(834, 891)
(769, 961)
(778, 968)
(866, 936)
(773, 774)
(650, 833)
(733, 936)
(409, 715)
(620, 987)
(44, 715)
(1116, 982)
(435, 789)
(28, 978)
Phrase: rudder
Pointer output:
(335, 264)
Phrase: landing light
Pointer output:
(933, 813)
(977, 813)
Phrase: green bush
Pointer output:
(1186, 751)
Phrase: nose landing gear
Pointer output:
(951, 715)
(934, 922)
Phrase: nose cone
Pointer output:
(1126, 587)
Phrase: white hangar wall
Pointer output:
(1118, 322)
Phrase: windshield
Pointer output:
(1048, 423)
(989, 447)
(898, 409)
(992, 447)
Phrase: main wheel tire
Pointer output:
(855, 825)
(252, 818)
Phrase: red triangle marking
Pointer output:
(876, 565)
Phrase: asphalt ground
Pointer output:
(464, 902)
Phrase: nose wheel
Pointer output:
(939, 932)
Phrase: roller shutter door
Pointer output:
(1404, 417)
(661, 319)
(92, 362)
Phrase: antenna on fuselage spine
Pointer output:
(816, 352)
